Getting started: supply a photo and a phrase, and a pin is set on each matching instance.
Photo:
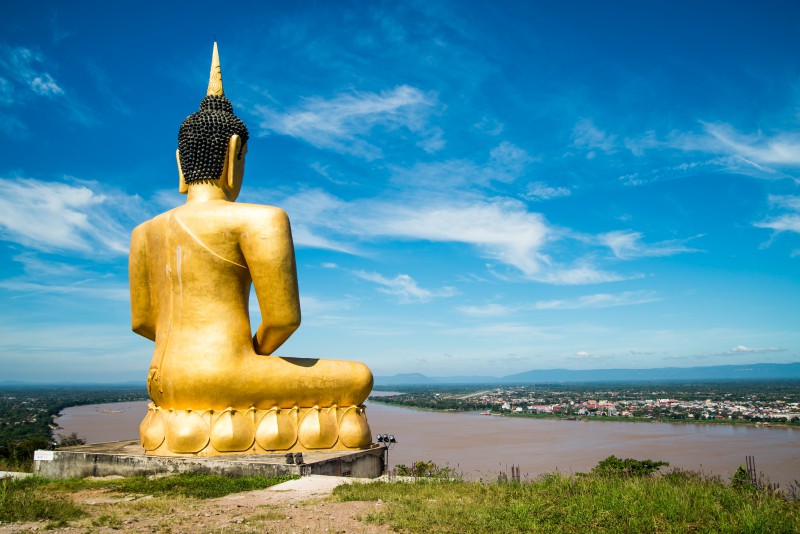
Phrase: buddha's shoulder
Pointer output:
(153, 223)
(258, 209)
(257, 214)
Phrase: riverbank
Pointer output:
(481, 447)
(601, 418)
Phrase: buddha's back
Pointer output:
(194, 256)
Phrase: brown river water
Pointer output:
(480, 446)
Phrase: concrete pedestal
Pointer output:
(127, 458)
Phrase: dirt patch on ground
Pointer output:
(253, 511)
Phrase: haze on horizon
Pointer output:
(474, 188)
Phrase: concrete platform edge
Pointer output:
(127, 458)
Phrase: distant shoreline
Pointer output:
(605, 419)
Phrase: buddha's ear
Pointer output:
(182, 187)
(232, 163)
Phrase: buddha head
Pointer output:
(212, 142)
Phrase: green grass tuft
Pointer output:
(24, 500)
(557, 503)
(38, 499)
(197, 485)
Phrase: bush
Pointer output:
(427, 469)
(71, 440)
(627, 467)
(741, 480)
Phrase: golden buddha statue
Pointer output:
(215, 388)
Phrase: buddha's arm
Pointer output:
(142, 320)
(269, 253)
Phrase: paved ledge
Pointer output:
(127, 458)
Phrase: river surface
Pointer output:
(482, 446)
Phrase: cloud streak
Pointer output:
(56, 216)
(599, 300)
(506, 164)
(587, 136)
(594, 301)
(538, 191)
(345, 122)
(499, 228)
(786, 222)
(782, 149)
(405, 288)
(627, 244)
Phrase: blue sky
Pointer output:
(474, 187)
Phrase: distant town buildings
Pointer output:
(530, 400)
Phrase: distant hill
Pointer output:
(756, 371)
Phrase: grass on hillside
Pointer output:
(22, 500)
(35, 499)
(675, 502)
(197, 485)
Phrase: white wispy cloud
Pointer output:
(639, 145)
(314, 212)
(405, 287)
(57, 216)
(785, 222)
(743, 349)
(26, 79)
(761, 155)
(738, 350)
(598, 300)
(314, 306)
(580, 275)
(628, 244)
(324, 170)
(780, 149)
(587, 136)
(73, 279)
(490, 126)
(541, 191)
(24, 69)
(757, 150)
(45, 85)
(782, 223)
(89, 289)
(501, 229)
(505, 164)
(345, 122)
(487, 310)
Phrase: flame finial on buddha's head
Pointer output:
(215, 77)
